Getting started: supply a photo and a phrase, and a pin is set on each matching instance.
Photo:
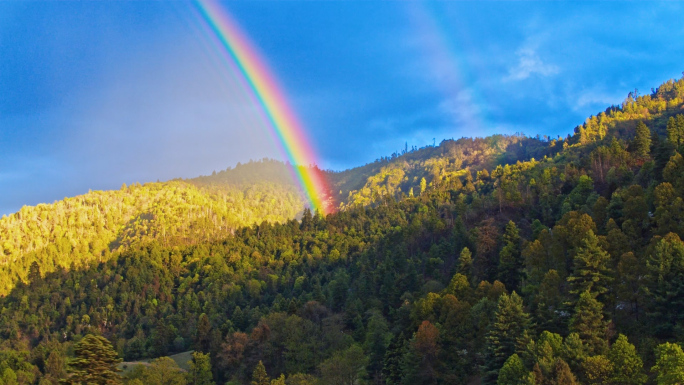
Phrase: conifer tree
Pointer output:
(465, 263)
(510, 260)
(642, 140)
(203, 340)
(588, 323)
(665, 283)
(626, 364)
(513, 372)
(674, 171)
(95, 362)
(590, 271)
(259, 375)
(562, 373)
(506, 334)
(393, 364)
(675, 130)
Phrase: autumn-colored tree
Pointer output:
(597, 370)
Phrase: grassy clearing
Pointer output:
(181, 359)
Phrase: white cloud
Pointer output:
(529, 63)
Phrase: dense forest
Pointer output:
(499, 260)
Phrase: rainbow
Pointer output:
(283, 122)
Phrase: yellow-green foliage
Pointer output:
(84, 230)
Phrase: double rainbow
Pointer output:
(283, 122)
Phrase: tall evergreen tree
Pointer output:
(591, 272)
(665, 285)
(626, 364)
(588, 323)
(513, 372)
(506, 334)
(259, 375)
(95, 363)
(642, 140)
(510, 260)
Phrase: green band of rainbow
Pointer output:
(284, 124)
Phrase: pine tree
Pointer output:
(674, 171)
(562, 373)
(506, 334)
(465, 263)
(675, 130)
(510, 260)
(665, 284)
(203, 339)
(669, 367)
(588, 323)
(259, 375)
(626, 363)
(393, 365)
(95, 362)
(642, 140)
(513, 372)
(590, 271)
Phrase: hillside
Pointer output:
(82, 231)
(506, 259)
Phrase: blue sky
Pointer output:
(95, 94)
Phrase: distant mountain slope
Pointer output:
(86, 229)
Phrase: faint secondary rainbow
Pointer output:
(283, 122)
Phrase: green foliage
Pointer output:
(669, 367)
(95, 362)
(642, 140)
(626, 364)
(510, 259)
(200, 370)
(665, 284)
(590, 268)
(513, 372)
(675, 130)
(588, 323)
(259, 376)
(344, 368)
(507, 332)
(161, 371)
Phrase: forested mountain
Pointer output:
(503, 260)
(85, 230)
